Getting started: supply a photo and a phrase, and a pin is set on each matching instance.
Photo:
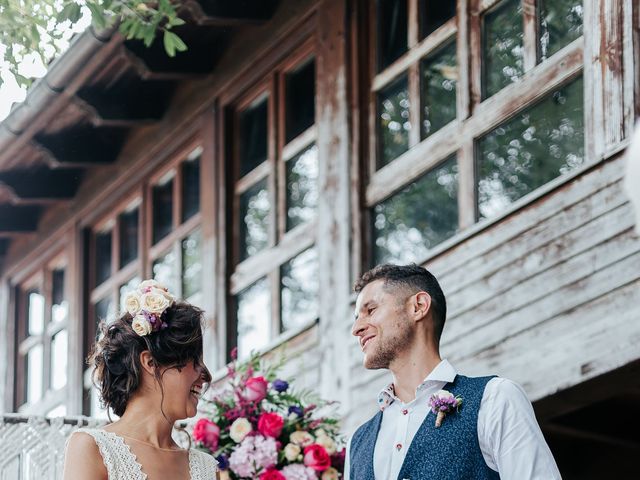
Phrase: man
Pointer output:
(488, 428)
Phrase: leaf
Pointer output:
(173, 43)
(97, 15)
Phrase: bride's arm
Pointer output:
(82, 459)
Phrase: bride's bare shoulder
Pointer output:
(82, 458)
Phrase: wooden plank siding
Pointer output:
(547, 297)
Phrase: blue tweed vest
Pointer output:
(450, 452)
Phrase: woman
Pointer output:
(148, 367)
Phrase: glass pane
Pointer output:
(539, 144)
(434, 14)
(254, 219)
(125, 289)
(103, 256)
(60, 306)
(302, 187)
(104, 310)
(165, 271)
(59, 354)
(393, 120)
(191, 265)
(253, 135)
(191, 186)
(560, 24)
(502, 47)
(254, 318)
(392, 31)
(34, 364)
(300, 289)
(439, 78)
(162, 210)
(418, 217)
(35, 313)
(300, 99)
(128, 236)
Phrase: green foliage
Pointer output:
(42, 27)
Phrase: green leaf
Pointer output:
(97, 15)
(173, 43)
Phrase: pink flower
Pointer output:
(270, 424)
(316, 457)
(256, 389)
(207, 433)
(272, 474)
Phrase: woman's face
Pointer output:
(182, 387)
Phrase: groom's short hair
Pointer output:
(414, 278)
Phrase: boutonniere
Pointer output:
(443, 402)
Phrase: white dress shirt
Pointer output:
(510, 438)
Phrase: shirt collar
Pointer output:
(444, 372)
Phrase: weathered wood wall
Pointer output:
(549, 296)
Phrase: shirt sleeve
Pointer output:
(347, 461)
(510, 438)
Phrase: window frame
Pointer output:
(283, 245)
(475, 116)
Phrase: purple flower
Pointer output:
(280, 386)
(223, 462)
(295, 409)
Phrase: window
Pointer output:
(43, 338)
(470, 114)
(275, 197)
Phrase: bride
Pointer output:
(148, 367)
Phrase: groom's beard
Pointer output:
(387, 349)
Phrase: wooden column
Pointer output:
(333, 209)
(77, 322)
(7, 316)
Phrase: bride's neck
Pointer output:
(145, 422)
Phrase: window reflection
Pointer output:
(191, 185)
(252, 141)
(439, 78)
(35, 313)
(165, 271)
(254, 318)
(300, 289)
(393, 120)
(162, 195)
(59, 353)
(502, 47)
(34, 363)
(191, 266)
(103, 256)
(538, 145)
(434, 14)
(300, 100)
(561, 22)
(392, 31)
(302, 187)
(417, 218)
(59, 307)
(254, 219)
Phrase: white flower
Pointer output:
(443, 394)
(132, 303)
(141, 325)
(302, 438)
(328, 444)
(154, 302)
(291, 451)
(330, 474)
(149, 283)
(240, 428)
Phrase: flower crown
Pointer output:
(147, 305)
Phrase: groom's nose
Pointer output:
(358, 327)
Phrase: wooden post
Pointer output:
(334, 199)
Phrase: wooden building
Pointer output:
(298, 142)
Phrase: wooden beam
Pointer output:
(19, 219)
(42, 183)
(225, 14)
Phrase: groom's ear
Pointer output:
(147, 362)
(420, 306)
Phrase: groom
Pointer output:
(491, 434)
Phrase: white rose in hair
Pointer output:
(132, 303)
(148, 284)
(155, 301)
(141, 325)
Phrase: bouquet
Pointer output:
(259, 428)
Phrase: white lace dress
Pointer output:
(122, 464)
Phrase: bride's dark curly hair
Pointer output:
(116, 354)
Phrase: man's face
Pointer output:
(382, 325)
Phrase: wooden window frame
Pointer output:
(476, 117)
(42, 281)
(283, 245)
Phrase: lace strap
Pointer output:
(121, 463)
(202, 466)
